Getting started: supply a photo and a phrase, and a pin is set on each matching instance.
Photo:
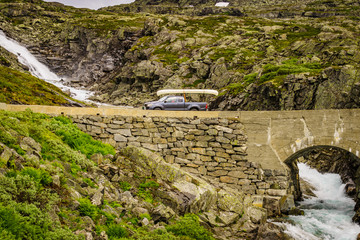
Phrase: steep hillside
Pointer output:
(56, 182)
(260, 55)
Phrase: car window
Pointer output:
(180, 99)
(171, 100)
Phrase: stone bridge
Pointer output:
(247, 150)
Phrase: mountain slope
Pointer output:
(265, 57)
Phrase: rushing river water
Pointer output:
(327, 216)
(38, 69)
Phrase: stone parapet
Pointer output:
(215, 148)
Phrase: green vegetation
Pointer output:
(145, 189)
(78, 140)
(22, 88)
(275, 74)
(125, 186)
(189, 226)
(24, 205)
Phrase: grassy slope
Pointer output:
(22, 88)
(33, 206)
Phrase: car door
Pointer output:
(170, 103)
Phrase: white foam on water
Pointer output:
(38, 69)
(328, 215)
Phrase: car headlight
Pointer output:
(149, 105)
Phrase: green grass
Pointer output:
(22, 88)
(275, 74)
(60, 139)
(278, 72)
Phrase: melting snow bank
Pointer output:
(222, 4)
(328, 215)
(38, 69)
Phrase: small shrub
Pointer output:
(88, 209)
(125, 186)
(89, 182)
(116, 231)
(38, 175)
(145, 190)
(189, 226)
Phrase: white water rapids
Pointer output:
(38, 69)
(327, 216)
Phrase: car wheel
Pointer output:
(193, 109)
(157, 108)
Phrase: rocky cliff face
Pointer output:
(294, 56)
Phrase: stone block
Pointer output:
(145, 140)
(152, 130)
(219, 159)
(165, 134)
(202, 127)
(237, 174)
(125, 132)
(202, 144)
(188, 144)
(227, 146)
(210, 121)
(227, 179)
(196, 132)
(178, 150)
(211, 164)
(224, 129)
(276, 192)
(96, 130)
(138, 125)
(171, 140)
(155, 135)
(120, 138)
(160, 140)
(178, 134)
(210, 153)
(150, 146)
(222, 155)
(221, 139)
(149, 125)
(212, 132)
(202, 170)
(218, 173)
(190, 137)
(204, 158)
(162, 146)
(240, 149)
(192, 165)
(244, 182)
(169, 158)
(195, 121)
(201, 151)
(192, 156)
(182, 161)
(204, 138)
(100, 124)
(190, 170)
(117, 122)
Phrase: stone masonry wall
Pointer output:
(210, 147)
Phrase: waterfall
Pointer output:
(329, 214)
(38, 69)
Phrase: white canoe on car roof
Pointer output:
(183, 91)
